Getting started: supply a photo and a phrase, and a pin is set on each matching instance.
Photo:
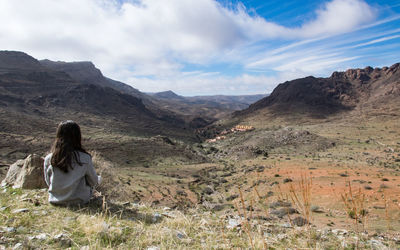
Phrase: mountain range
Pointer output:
(36, 95)
(29, 87)
(79, 86)
(46, 86)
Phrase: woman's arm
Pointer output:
(91, 175)
(47, 170)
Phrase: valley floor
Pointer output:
(327, 185)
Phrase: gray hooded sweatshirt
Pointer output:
(74, 187)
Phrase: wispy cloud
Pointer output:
(376, 41)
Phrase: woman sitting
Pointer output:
(68, 169)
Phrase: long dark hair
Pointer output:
(66, 146)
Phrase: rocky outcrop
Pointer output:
(26, 174)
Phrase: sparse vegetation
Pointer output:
(175, 191)
(355, 204)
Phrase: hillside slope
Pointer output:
(86, 72)
(39, 88)
(34, 99)
(367, 89)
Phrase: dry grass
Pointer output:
(355, 204)
(110, 187)
(301, 196)
(193, 229)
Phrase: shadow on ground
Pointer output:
(123, 211)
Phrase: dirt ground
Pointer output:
(364, 158)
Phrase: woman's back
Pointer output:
(74, 186)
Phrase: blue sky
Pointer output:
(206, 47)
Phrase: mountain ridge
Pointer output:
(29, 86)
(166, 105)
(342, 91)
(86, 72)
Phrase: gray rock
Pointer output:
(180, 235)
(40, 237)
(300, 221)
(281, 237)
(12, 173)
(284, 211)
(153, 248)
(233, 223)
(69, 219)
(280, 204)
(18, 246)
(340, 231)
(156, 217)
(218, 207)
(39, 212)
(286, 225)
(21, 230)
(8, 229)
(27, 174)
(316, 209)
(262, 217)
(63, 240)
(208, 190)
(104, 227)
(376, 244)
(169, 215)
(21, 210)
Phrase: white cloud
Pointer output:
(339, 16)
(156, 38)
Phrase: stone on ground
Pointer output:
(26, 174)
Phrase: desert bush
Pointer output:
(355, 204)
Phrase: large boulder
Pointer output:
(27, 174)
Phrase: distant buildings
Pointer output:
(237, 128)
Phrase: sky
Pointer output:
(206, 47)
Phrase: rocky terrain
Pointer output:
(247, 220)
(314, 165)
